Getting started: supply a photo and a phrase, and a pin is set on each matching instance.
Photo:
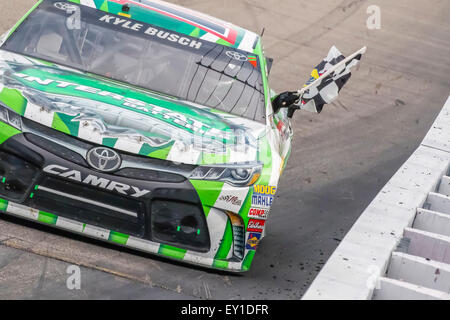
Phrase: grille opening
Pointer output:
(16, 176)
(179, 224)
(88, 205)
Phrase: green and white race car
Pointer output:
(144, 124)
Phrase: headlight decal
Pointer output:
(238, 175)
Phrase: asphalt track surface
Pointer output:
(340, 159)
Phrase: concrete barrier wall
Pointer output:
(399, 248)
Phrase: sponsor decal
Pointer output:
(218, 28)
(158, 112)
(232, 200)
(253, 60)
(267, 190)
(263, 196)
(103, 159)
(262, 200)
(258, 213)
(95, 181)
(255, 225)
(236, 56)
(151, 31)
(65, 6)
(253, 240)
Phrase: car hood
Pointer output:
(124, 117)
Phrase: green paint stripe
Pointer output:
(248, 260)
(262, 61)
(109, 142)
(220, 264)
(118, 237)
(208, 191)
(63, 122)
(48, 218)
(104, 6)
(162, 153)
(195, 33)
(3, 205)
(6, 132)
(246, 207)
(172, 252)
(14, 99)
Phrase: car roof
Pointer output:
(179, 19)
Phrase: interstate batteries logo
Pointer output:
(74, 89)
(263, 196)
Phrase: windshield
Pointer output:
(143, 55)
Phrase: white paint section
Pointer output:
(39, 114)
(96, 232)
(237, 156)
(217, 222)
(70, 225)
(89, 133)
(210, 37)
(432, 221)
(142, 245)
(248, 41)
(128, 145)
(385, 227)
(420, 271)
(181, 153)
(391, 289)
(276, 165)
(89, 3)
(22, 211)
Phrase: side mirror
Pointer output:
(288, 100)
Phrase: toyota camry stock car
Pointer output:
(141, 123)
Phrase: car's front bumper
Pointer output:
(35, 186)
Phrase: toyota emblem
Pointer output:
(103, 159)
(65, 6)
(237, 56)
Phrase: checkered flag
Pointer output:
(327, 79)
